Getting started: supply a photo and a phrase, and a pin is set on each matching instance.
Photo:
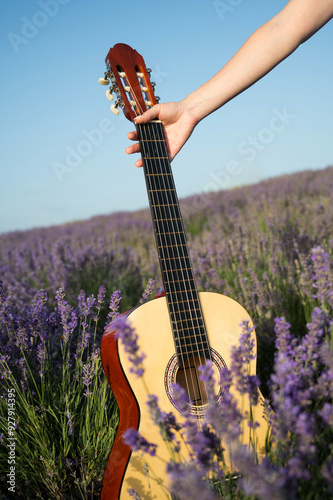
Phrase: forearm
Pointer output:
(267, 47)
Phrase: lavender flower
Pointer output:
(129, 339)
(165, 421)
(101, 295)
(88, 375)
(114, 306)
(207, 375)
(85, 304)
(22, 339)
(134, 494)
(225, 416)
(68, 317)
(188, 481)
(137, 442)
(41, 356)
(322, 277)
(149, 289)
(181, 400)
(70, 423)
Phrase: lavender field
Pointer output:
(268, 246)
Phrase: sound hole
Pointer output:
(188, 377)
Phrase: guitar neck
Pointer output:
(177, 273)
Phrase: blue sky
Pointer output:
(53, 53)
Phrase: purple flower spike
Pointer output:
(187, 481)
(134, 494)
(322, 277)
(68, 317)
(101, 295)
(207, 376)
(129, 339)
(114, 306)
(165, 421)
(85, 304)
(137, 442)
(149, 289)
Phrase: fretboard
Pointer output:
(182, 297)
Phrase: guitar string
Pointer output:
(194, 320)
(190, 277)
(193, 325)
(149, 182)
(193, 300)
(170, 302)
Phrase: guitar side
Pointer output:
(127, 470)
(128, 415)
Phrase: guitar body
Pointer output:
(125, 469)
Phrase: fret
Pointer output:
(189, 344)
(160, 190)
(175, 258)
(181, 291)
(175, 232)
(155, 157)
(190, 328)
(166, 205)
(184, 301)
(202, 352)
(187, 320)
(172, 246)
(186, 311)
(182, 269)
(158, 173)
(174, 281)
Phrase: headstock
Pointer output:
(129, 79)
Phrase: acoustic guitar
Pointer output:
(178, 332)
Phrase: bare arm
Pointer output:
(264, 49)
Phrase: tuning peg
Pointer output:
(157, 98)
(109, 95)
(149, 71)
(122, 74)
(148, 103)
(127, 88)
(104, 81)
(153, 84)
(114, 109)
(139, 75)
(144, 89)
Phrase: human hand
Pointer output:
(178, 121)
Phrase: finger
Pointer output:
(134, 148)
(133, 136)
(149, 115)
(139, 163)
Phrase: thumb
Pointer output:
(149, 115)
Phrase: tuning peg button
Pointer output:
(109, 95)
(104, 81)
(114, 109)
